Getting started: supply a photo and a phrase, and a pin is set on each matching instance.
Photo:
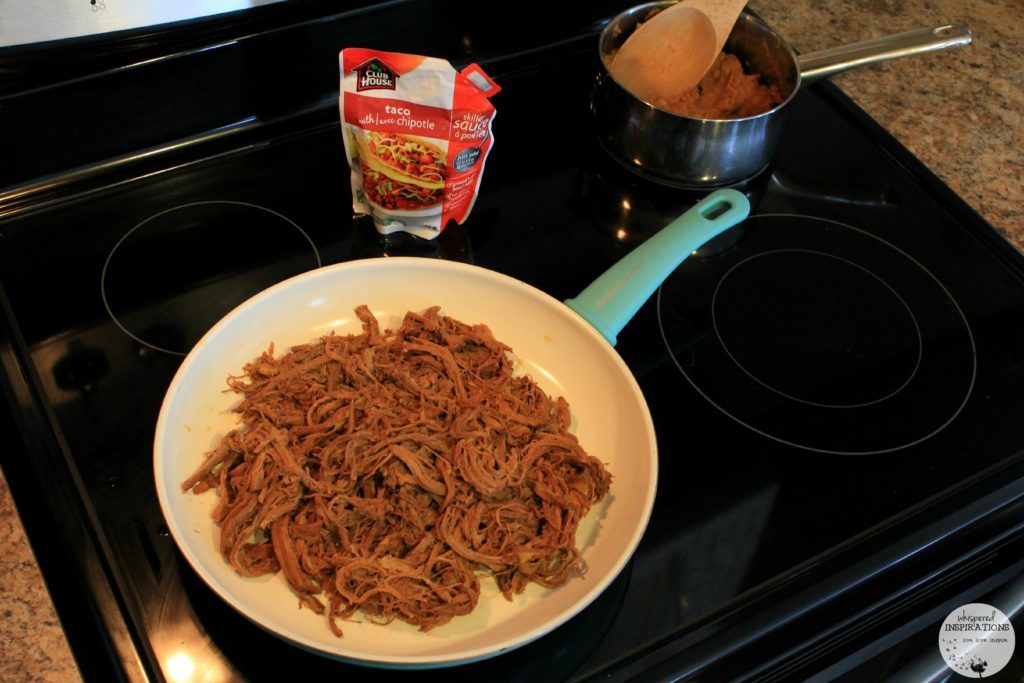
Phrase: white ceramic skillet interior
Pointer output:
(551, 343)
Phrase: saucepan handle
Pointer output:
(817, 65)
(611, 301)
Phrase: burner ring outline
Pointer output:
(910, 314)
(828, 451)
(141, 224)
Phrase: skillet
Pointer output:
(566, 348)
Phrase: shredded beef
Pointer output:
(389, 472)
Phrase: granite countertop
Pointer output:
(959, 111)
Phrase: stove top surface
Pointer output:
(831, 369)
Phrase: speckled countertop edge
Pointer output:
(32, 642)
(958, 111)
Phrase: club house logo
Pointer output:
(374, 74)
(976, 640)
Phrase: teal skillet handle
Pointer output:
(612, 300)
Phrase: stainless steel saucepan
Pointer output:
(703, 153)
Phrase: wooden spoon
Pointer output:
(667, 55)
(723, 15)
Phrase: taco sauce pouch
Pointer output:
(417, 133)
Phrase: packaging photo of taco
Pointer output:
(401, 172)
(386, 102)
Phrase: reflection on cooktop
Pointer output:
(196, 629)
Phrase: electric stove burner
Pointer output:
(174, 275)
(849, 317)
(821, 336)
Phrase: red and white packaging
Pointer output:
(417, 134)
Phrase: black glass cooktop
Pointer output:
(835, 383)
